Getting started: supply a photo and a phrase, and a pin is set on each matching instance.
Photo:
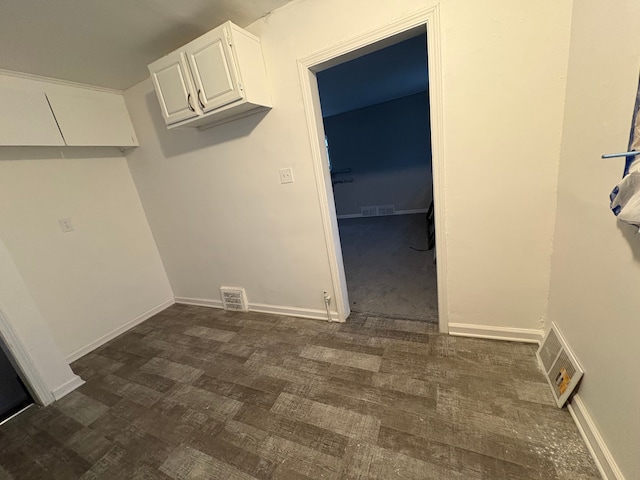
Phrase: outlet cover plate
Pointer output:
(286, 175)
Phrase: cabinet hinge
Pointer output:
(241, 86)
(229, 39)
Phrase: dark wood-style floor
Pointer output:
(198, 393)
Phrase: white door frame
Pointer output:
(27, 368)
(344, 51)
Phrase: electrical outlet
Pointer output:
(65, 225)
(286, 175)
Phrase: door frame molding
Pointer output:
(388, 34)
(26, 366)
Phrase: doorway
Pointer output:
(309, 67)
(14, 396)
(375, 111)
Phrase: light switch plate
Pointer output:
(65, 225)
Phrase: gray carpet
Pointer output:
(384, 275)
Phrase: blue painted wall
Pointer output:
(392, 72)
(388, 148)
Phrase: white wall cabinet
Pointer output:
(214, 79)
(174, 88)
(93, 120)
(27, 119)
(78, 117)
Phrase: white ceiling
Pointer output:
(109, 43)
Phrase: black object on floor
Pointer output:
(431, 228)
(13, 394)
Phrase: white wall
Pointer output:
(594, 294)
(504, 79)
(28, 336)
(220, 215)
(107, 272)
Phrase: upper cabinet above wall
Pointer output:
(38, 113)
(93, 120)
(27, 119)
(214, 79)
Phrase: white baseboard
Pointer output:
(200, 302)
(595, 443)
(315, 314)
(528, 335)
(293, 311)
(72, 357)
(67, 387)
(397, 212)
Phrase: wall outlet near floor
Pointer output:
(65, 225)
(286, 175)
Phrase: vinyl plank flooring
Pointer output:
(342, 357)
(199, 393)
(339, 420)
(299, 458)
(189, 463)
(237, 457)
(171, 370)
(81, 408)
(314, 437)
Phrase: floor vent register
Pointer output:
(560, 366)
(234, 298)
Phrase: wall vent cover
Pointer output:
(386, 209)
(234, 298)
(378, 210)
(560, 366)
(369, 211)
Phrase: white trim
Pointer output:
(316, 314)
(528, 335)
(311, 101)
(57, 81)
(438, 164)
(426, 18)
(72, 357)
(294, 311)
(396, 212)
(200, 302)
(67, 387)
(595, 443)
(30, 373)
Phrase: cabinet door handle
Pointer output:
(199, 100)
(189, 103)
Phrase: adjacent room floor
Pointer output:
(385, 275)
(199, 393)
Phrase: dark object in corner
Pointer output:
(431, 228)
(431, 232)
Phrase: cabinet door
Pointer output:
(214, 70)
(173, 86)
(93, 119)
(26, 119)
